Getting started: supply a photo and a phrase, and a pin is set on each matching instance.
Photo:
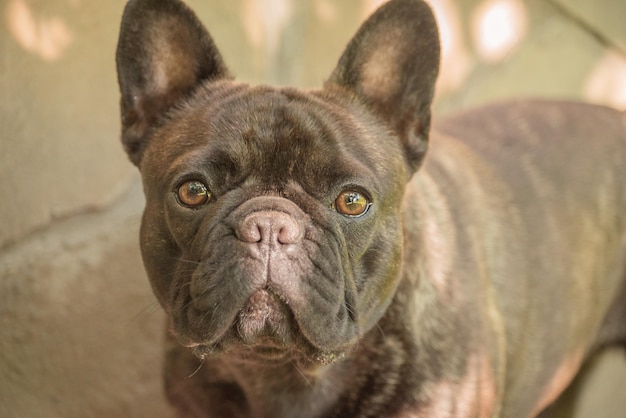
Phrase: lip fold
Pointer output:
(265, 320)
(264, 324)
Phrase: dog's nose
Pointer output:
(271, 227)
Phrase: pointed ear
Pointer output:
(391, 65)
(163, 54)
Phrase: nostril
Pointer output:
(289, 232)
(277, 227)
(252, 230)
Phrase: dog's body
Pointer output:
(299, 256)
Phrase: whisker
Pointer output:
(197, 370)
(197, 263)
(212, 314)
(179, 272)
(188, 304)
(184, 260)
(308, 382)
(151, 308)
(381, 331)
(350, 310)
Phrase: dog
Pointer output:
(328, 253)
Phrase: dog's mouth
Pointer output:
(264, 317)
(263, 352)
(264, 328)
(264, 331)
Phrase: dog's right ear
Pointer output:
(163, 54)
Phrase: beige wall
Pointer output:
(79, 329)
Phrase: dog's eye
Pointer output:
(352, 203)
(192, 193)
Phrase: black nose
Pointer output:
(269, 227)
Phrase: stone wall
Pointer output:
(80, 331)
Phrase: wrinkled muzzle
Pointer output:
(267, 275)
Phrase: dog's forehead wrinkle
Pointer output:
(274, 131)
(276, 138)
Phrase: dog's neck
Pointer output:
(248, 386)
(273, 390)
(287, 389)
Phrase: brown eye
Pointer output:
(192, 193)
(351, 203)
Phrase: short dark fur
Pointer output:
(482, 275)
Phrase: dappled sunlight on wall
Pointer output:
(498, 26)
(607, 82)
(46, 37)
(265, 21)
(326, 11)
(456, 62)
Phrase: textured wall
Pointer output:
(80, 330)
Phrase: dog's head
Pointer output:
(272, 215)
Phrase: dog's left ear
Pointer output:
(163, 54)
(391, 65)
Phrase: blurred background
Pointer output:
(80, 332)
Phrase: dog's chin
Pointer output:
(265, 331)
(266, 354)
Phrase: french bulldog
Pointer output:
(314, 260)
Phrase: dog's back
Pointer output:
(536, 192)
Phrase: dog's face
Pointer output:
(272, 217)
(269, 223)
